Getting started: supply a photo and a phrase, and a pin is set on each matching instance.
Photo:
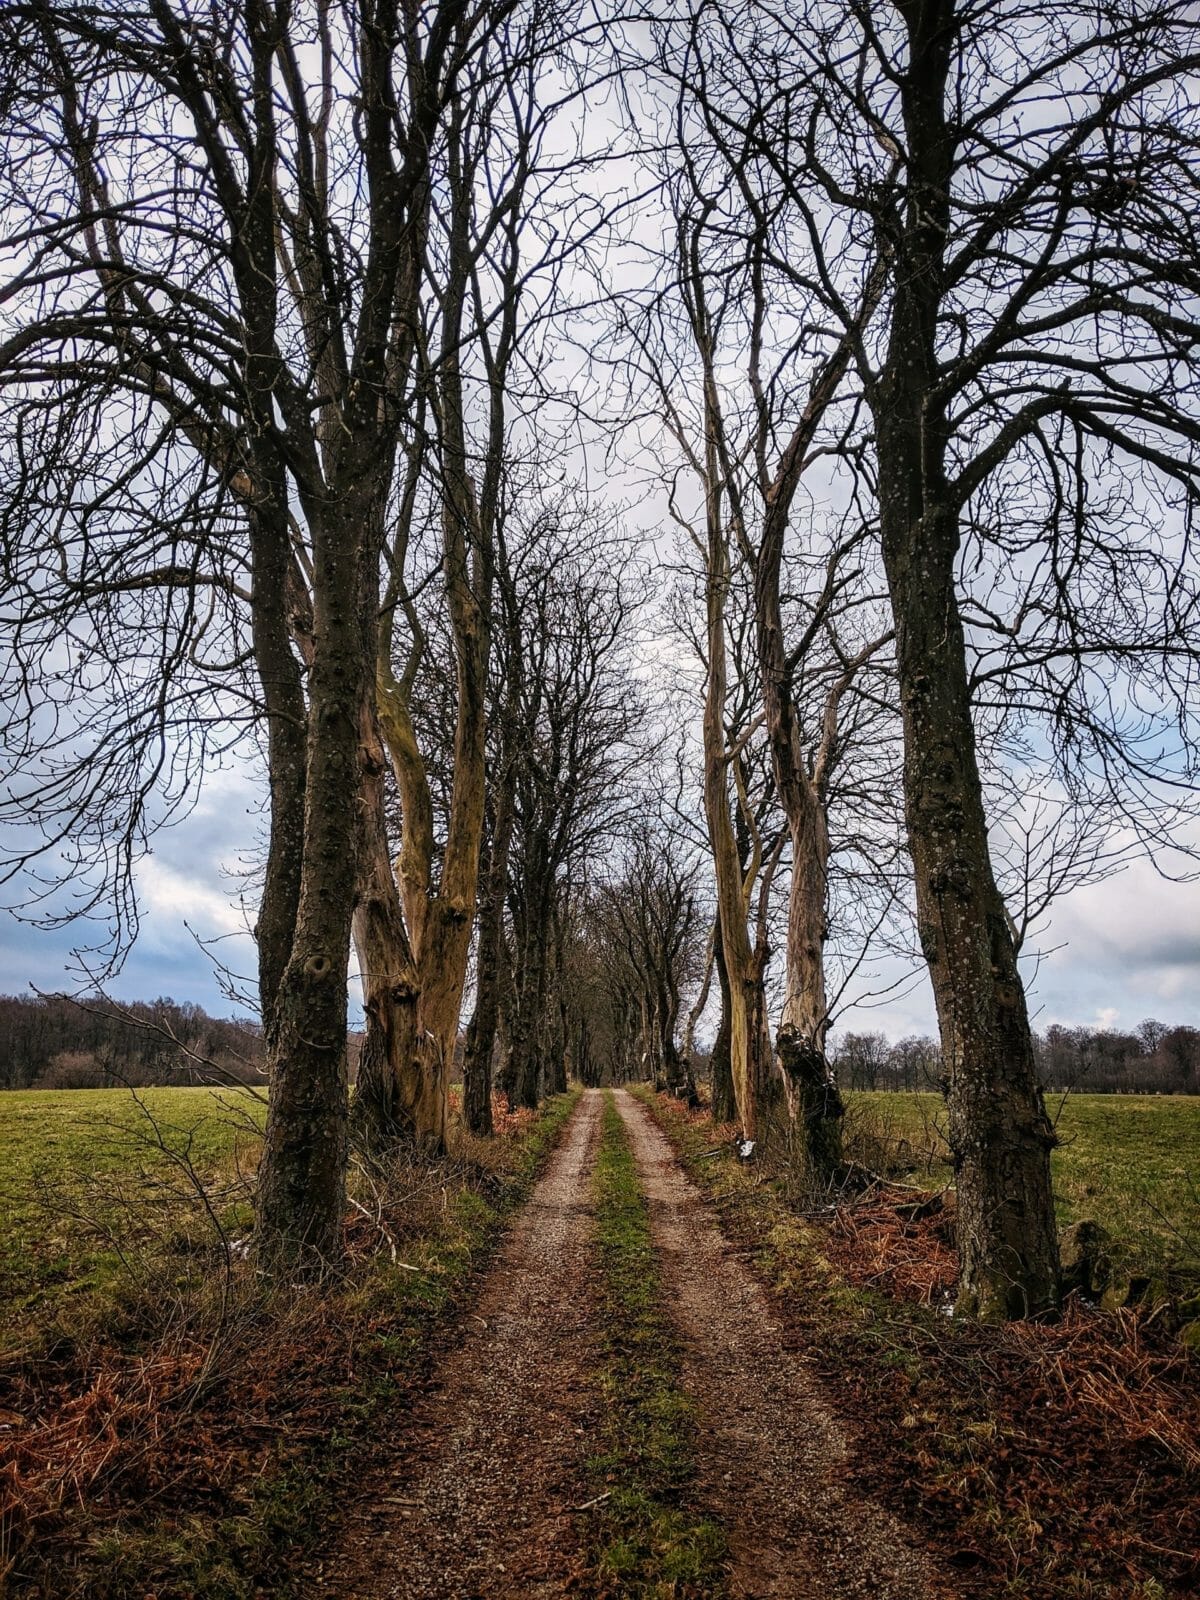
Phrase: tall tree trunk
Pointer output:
(531, 960)
(677, 1069)
(287, 733)
(531, 1059)
(558, 1062)
(738, 952)
(559, 1035)
(734, 883)
(1000, 1136)
(481, 1032)
(301, 1185)
(697, 1009)
(814, 1104)
(443, 979)
(768, 1090)
(585, 1066)
(391, 1096)
(723, 1108)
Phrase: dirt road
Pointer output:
(493, 1459)
(771, 1451)
(484, 1505)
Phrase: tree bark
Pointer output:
(282, 688)
(814, 1103)
(558, 1047)
(481, 1032)
(301, 1183)
(393, 1083)
(723, 1108)
(1000, 1136)
(745, 980)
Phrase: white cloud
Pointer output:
(170, 898)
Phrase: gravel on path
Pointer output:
(772, 1455)
(480, 1506)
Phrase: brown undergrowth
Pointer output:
(182, 1441)
(1045, 1461)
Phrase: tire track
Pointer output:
(771, 1453)
(480, 1509)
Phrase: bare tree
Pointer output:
(650, 941)
(249, 355)
(1029, 180)
(155, 285)
(727, 323)
(578, 739)
(477, 234)
(780, 438)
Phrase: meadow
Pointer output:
(96, 1183)
(1129, 1162)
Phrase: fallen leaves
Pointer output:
(1055, 1459)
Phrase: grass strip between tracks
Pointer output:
(650, 1539)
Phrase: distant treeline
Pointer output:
(1156, 1058)
(90, 1043)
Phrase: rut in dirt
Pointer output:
(482, 1505)
(771, 1456)
(483, 1500)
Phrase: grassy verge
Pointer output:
(167, 1428)
(649, 1541)
(1129, 1162)
(1044, 1462)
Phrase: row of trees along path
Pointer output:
(318, 320)
(484, 1488)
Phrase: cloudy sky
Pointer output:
(1121, 950)
(1118, 951)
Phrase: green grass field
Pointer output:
(93, 1179)
(88, 1178)
(1130, 1162)
(177, 1427)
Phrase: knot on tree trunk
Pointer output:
(371, 760)
(806, 1067)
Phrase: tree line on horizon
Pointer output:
(1155, 1058)
(81, 1042)
(676, 511)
